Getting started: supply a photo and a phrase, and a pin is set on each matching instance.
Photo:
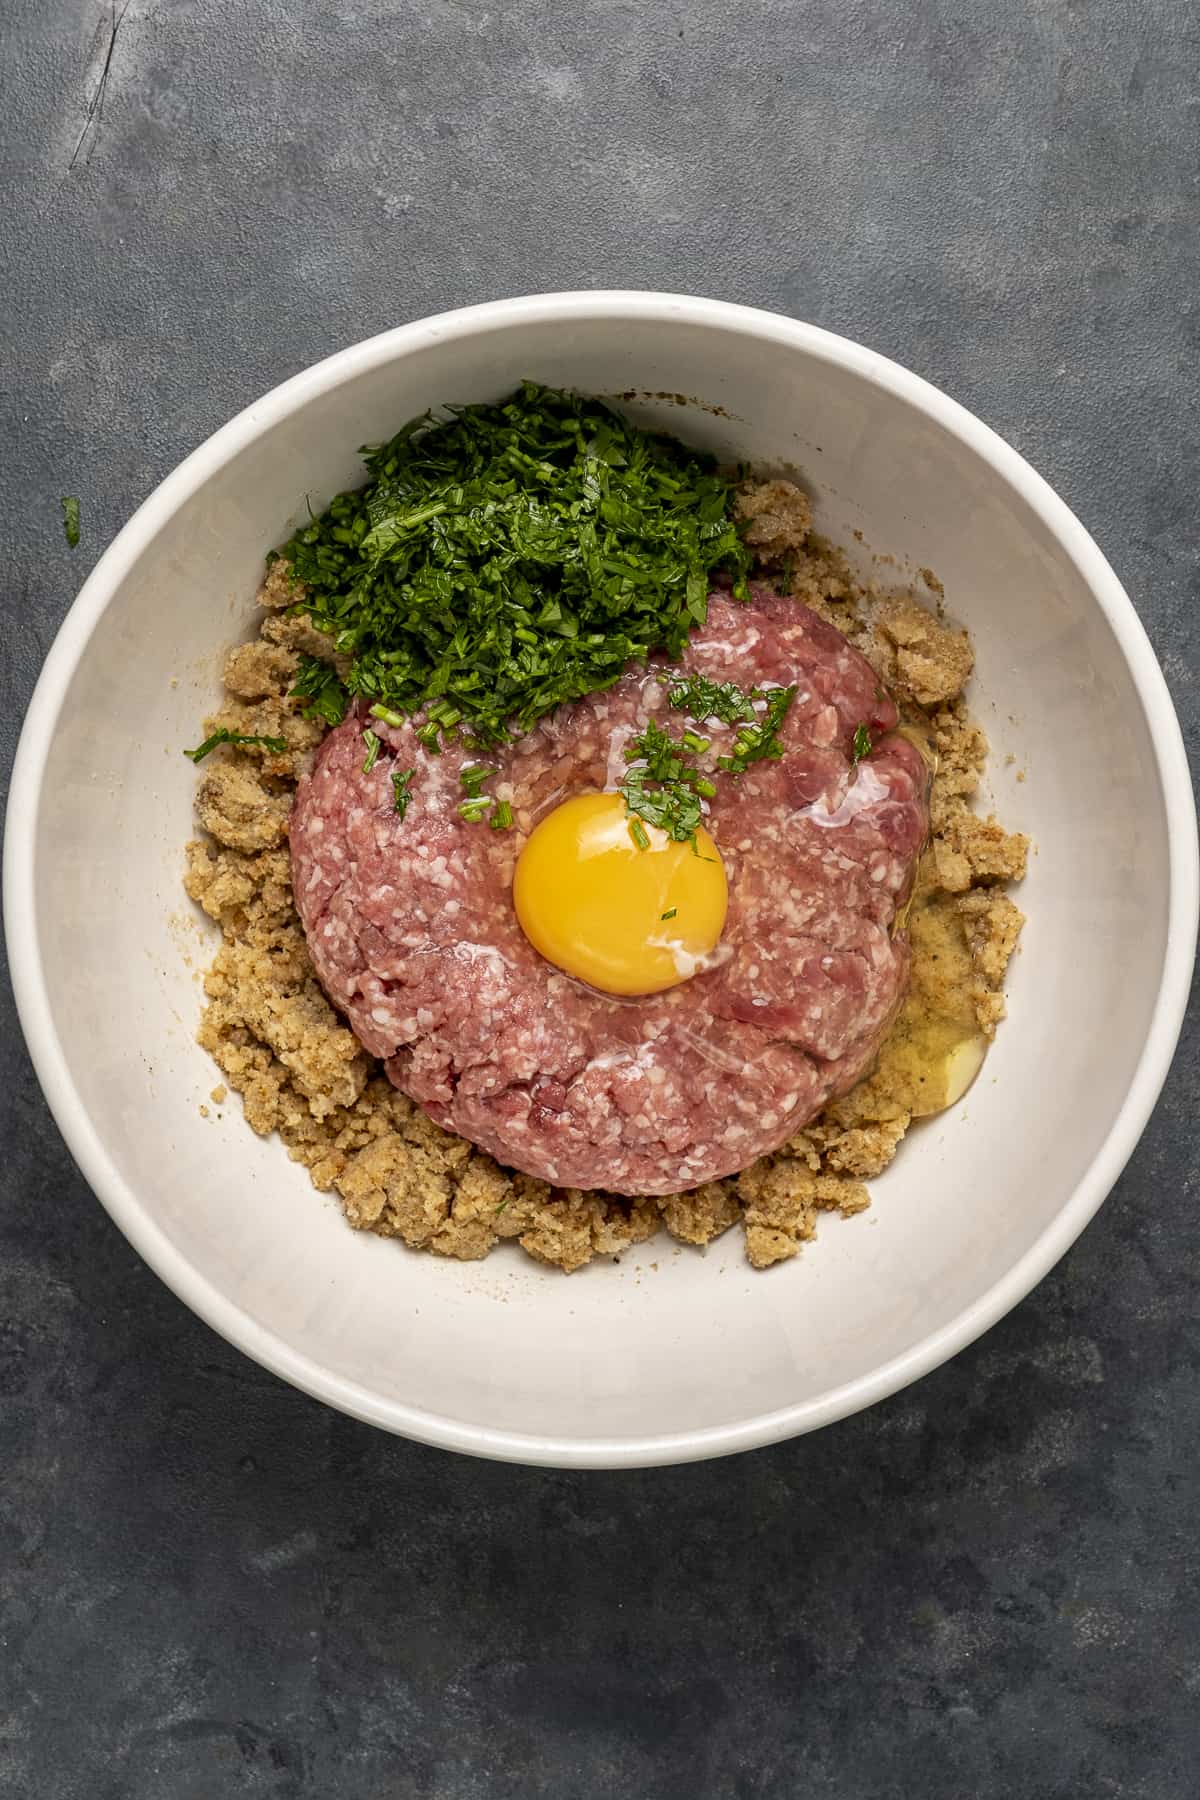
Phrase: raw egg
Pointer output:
(624, 919)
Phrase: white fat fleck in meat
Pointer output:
(617, 767)
(712, 1051)
(865, 789)
(481, 952)
(690, 962)
(411, 927)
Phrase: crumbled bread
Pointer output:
(269, 991)
(571, 1227)
(232, 887)
(702, 1214)
(993, 924)
(778, 517)
(278, 589)
(866, 1150)
(236, 806)
(254, 670)
(920, 659)
(988, 852)
(780, 1200)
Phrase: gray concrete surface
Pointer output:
(209, 1586)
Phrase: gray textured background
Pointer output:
(210, 1586)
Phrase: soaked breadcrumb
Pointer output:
(303, 1074)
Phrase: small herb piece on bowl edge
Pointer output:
(510, 558)
(861, 746)
(670, 913)
(400, 783)
(70, 509)
(276, 745)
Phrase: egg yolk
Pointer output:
(624, 919)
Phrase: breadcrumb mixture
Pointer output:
(302, 1073)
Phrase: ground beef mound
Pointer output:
(411, 928)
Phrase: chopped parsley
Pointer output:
(732, 705)
(861, 746)
(664, 786)
(276, 745)
(324, 696)
(473, 777)
(502, 816)
(705, 699)
(760, 741)
(70, 511)
(507, 559)
(400, 782)
(374, 745)
(639, 834)
(670, 913)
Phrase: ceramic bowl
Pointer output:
(672, 1353)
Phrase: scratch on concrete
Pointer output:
(95, 105)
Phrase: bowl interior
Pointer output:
(670, 1343)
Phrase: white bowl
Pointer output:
(672, 1354)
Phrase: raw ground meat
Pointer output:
(299, 1072)
(411, 928)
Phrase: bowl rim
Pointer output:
(196, 1290)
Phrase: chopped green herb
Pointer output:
(692, 741)
(639, 834)
(512, 557)
(502, 816)
(374, 745)
(318, 685)
(705, 699)
(861, 746)
(760, 741)
(70, 509)
(661, 788)
(670, 913)
(474, 810)
(276, 745)
(659, 751)
(501, 1207)
(473, 776)
(674, 807)
(400, 781)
